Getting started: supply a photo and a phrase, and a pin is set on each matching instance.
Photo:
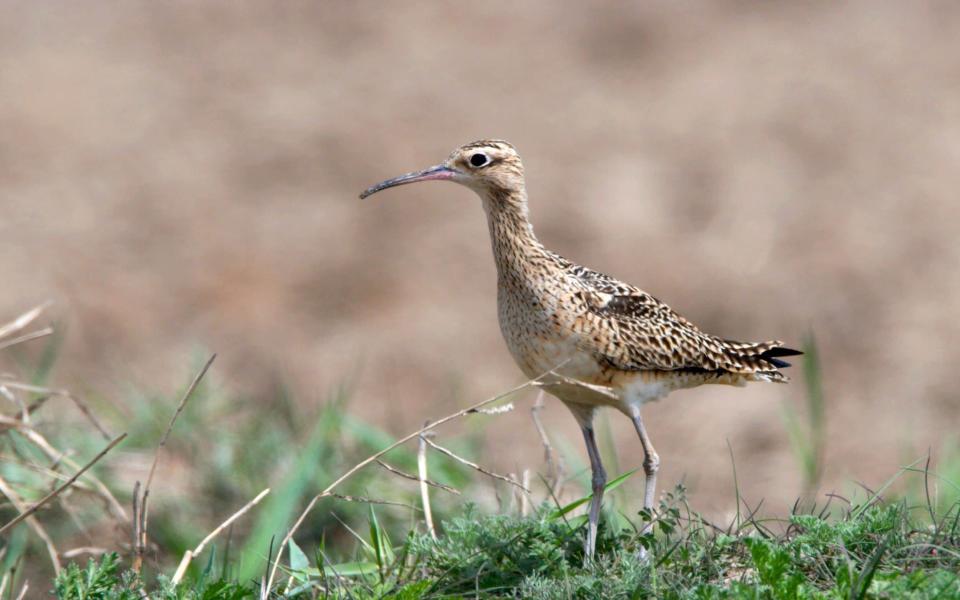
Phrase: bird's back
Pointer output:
(604, 332)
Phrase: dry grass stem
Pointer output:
(135, 529)
(496, 410)
(141, 506)
(23, 320)
(56, 456)
(85, 409)
(474, 466)
(10, 423)
(23, 590)
(166, 434)
(52, 474)
(82, 550)
(80, 404)
(554, 466)
(26, 337)
(24, 514)
(326, 492)
(424, 488)
(523, 498)
(18, 402)
(363, 500)
(36, 404)
(564, 380)
(189, 554)
(435, 484)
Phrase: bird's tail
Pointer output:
(763, 359)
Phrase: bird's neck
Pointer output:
(514, 244)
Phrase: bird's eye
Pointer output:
(479, 159)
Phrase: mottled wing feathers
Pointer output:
(640, 333)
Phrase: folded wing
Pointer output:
(641, 333)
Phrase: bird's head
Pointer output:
(487, 167)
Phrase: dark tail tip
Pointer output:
(771, 356)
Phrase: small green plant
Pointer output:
(97, 580)
(101, 580)
(867, 550)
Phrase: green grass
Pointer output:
(231, 447)
(871, 550)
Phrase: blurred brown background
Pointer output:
(178, 175)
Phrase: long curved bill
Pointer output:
(438, 172)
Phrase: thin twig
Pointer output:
(363, 500)
(173, 419)
(23, 590)
(523, 498)
(326, 492)
(24, 514)
(135, 541)
(81, 405)
(189, 554)
(435, 484)
(26, 337)
(496, 410)
(503, 502)
(81, 550)
(10, 423)
(140, 548)
(57, 456)
(28, 387)
(18, 401)
(474, 465)
(23, 320)
(554, 467)
(926, 491)
(36, 404)
(564, 380)
(51, 473)
(424, 489)
(88, 413)
(141, 542)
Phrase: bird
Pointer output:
(592, 340)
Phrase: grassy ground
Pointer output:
(870, 550)
(902, 540)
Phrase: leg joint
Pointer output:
(651, 463)
(599, 479)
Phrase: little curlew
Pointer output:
(604, 342)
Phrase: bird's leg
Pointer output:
(598, 481)
(651, 464)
